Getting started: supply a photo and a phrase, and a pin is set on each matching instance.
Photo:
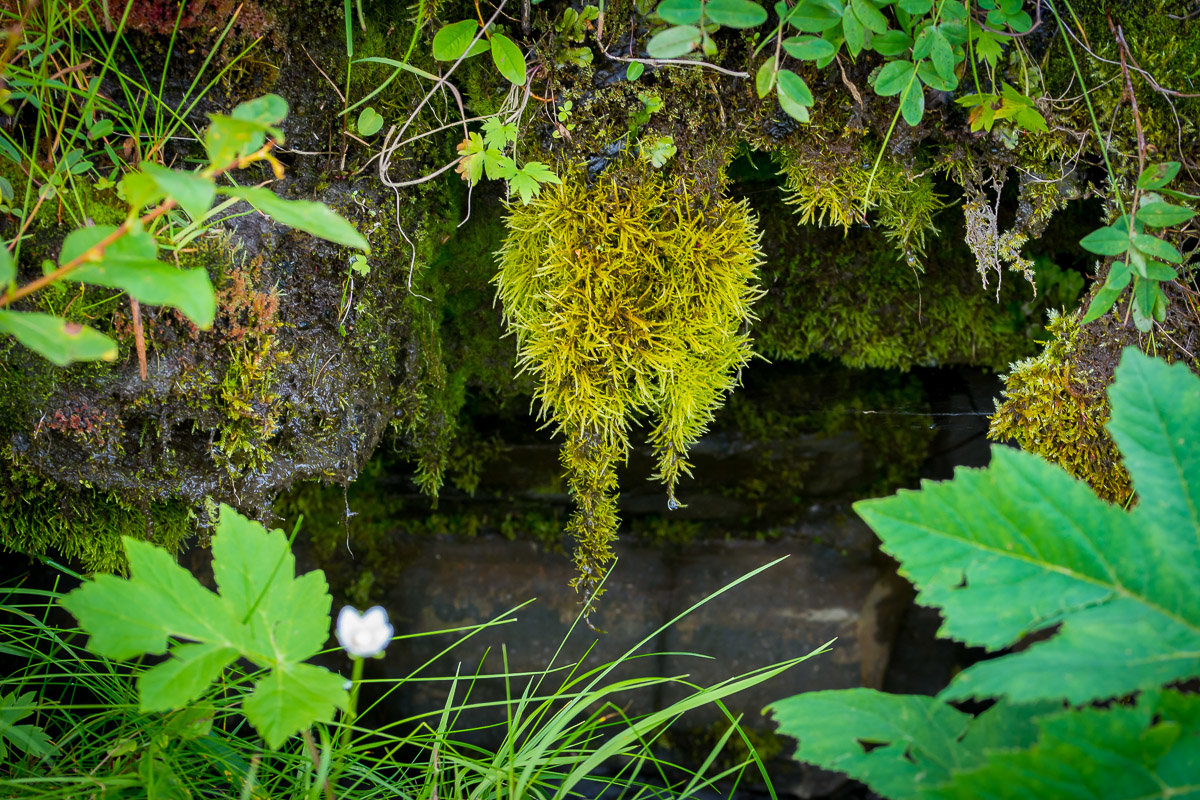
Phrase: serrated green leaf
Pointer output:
(764, 79)
(674, 42)
(291, 698)
(306, 215)
(794, 95)
(808, 48)
(184, 677)
(1022, 546)
(509, 59)
(1157, 176)
(497, 135)
(1154, 425)
(453, 40)
(28, 739)
(1163, 215)
(1108, 241)
(735, 13)
(897, 744)
(160, 599)
(193, 192)
(680, 12)
(57, 340)
(265, 613)
(1117, 753)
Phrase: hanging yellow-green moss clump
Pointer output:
(628, 297)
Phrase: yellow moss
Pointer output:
(833, 191)
(629, 297)
(1051, 408)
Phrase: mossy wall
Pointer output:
(315, 360)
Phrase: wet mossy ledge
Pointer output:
(954, 257)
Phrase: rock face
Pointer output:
(814, 596)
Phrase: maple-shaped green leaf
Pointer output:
(894, 743)
(470, 160)
(498, 135)
(26, 738)
(264, 613)
(528, 180)
(1021, 547)
(292, 697)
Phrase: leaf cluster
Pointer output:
(467, 38)
(125, 256)
(627, 299)
(1148, 258)
(484, 155)
(1021, 548)
(263, 612)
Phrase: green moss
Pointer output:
(80, 525)
(1164, 43)
(834, 190)
(1057, 409)
(628, 298)
(850, 299)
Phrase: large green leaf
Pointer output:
(56, 339)
(508, 59)
(193, 191)
(129, 263)
(292, 697)
(264, 613)
(894, 743)
(1021, 547)
(1148, 751)
(306, 215)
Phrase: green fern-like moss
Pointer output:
(628, 298)
(833, 190)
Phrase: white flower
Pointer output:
(363, 635)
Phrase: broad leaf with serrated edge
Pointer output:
(894, 743)
(1147, 751)
(265, 613)
(292, 697)
(1021, 547)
